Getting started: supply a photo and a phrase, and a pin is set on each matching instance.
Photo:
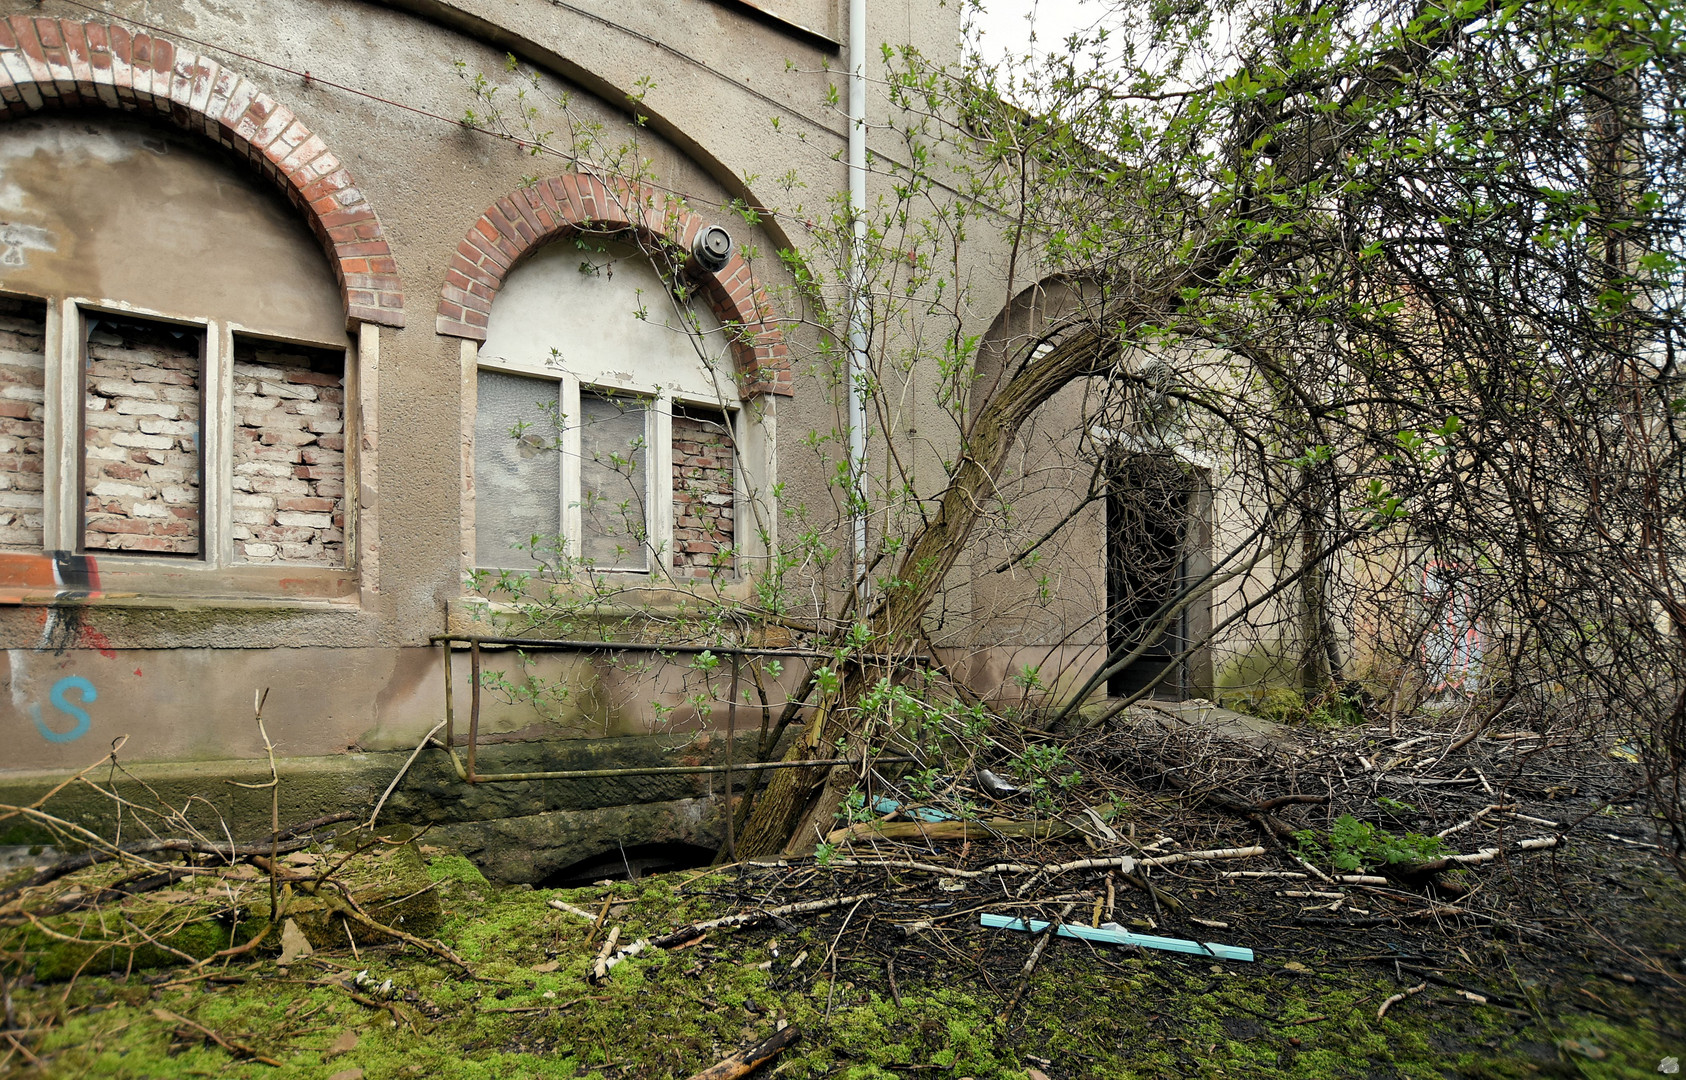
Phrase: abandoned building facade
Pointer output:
(290, 359)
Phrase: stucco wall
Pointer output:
(133, 211)
(344, 529)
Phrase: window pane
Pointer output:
(289, 453)
(141, 437)
(23, 369)
(703, 525)
(517, 470)
(613, 472)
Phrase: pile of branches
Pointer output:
(172, 897)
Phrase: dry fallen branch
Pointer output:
(109, 758)
(563, 905)
(747, 1061)
(133, 851)
(746, 918)
(979, 829)
(402, 769)
(600, 967)
(1397, 998)
(1126, 863)
(1031, 961)
(348, 908)
(1203, 856)
(1538, 843)
(233, 1046)
(620, 956)
(1473, 819)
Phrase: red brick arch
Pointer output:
(61, 63)
(527, 219)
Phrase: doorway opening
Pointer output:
(1151, 531)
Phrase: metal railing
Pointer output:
(467, 772)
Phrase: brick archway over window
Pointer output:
(61, 63)
(529, 218)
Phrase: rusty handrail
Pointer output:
(467, 772)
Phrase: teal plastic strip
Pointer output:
(1121, 937)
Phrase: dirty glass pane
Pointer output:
(613, 482)
(517, 469)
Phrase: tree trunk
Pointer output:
(788, 803)
(785, 795)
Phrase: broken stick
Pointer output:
(1030, 963)
(745, 918)
(747, 1061)
(234, 1047)
(1397, 998)
(600, 969)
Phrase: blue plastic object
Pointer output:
(926, 814)
(1121, 937)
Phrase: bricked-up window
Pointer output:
(704, 492)
(23, 372)
(288, 452)
(142, 446)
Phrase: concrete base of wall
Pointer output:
(517, 832)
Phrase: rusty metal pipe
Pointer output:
(467, 772)
(682, 770)
(473, 708)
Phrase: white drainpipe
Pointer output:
(858, 366)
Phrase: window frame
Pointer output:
(658, 433)
(65, 344)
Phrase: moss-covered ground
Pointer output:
(872, 1002)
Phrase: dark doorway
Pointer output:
(1148, 523)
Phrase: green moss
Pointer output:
(57, 961)
(454, 868)
(200, 916)
(1094, 1013)
(16, 833)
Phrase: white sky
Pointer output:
(1005, 26)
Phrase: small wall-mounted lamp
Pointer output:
(712, 249)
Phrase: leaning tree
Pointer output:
(1412, 270)
(1438, 249)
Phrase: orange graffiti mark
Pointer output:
(27, 578)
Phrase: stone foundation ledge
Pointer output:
(520, 831)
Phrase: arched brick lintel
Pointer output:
(60, 63)
(529, 218)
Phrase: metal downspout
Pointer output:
(858, 369)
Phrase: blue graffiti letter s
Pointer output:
(83, 722)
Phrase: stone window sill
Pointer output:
(130, 581)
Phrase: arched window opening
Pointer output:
(609, 426)
(173, 356)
